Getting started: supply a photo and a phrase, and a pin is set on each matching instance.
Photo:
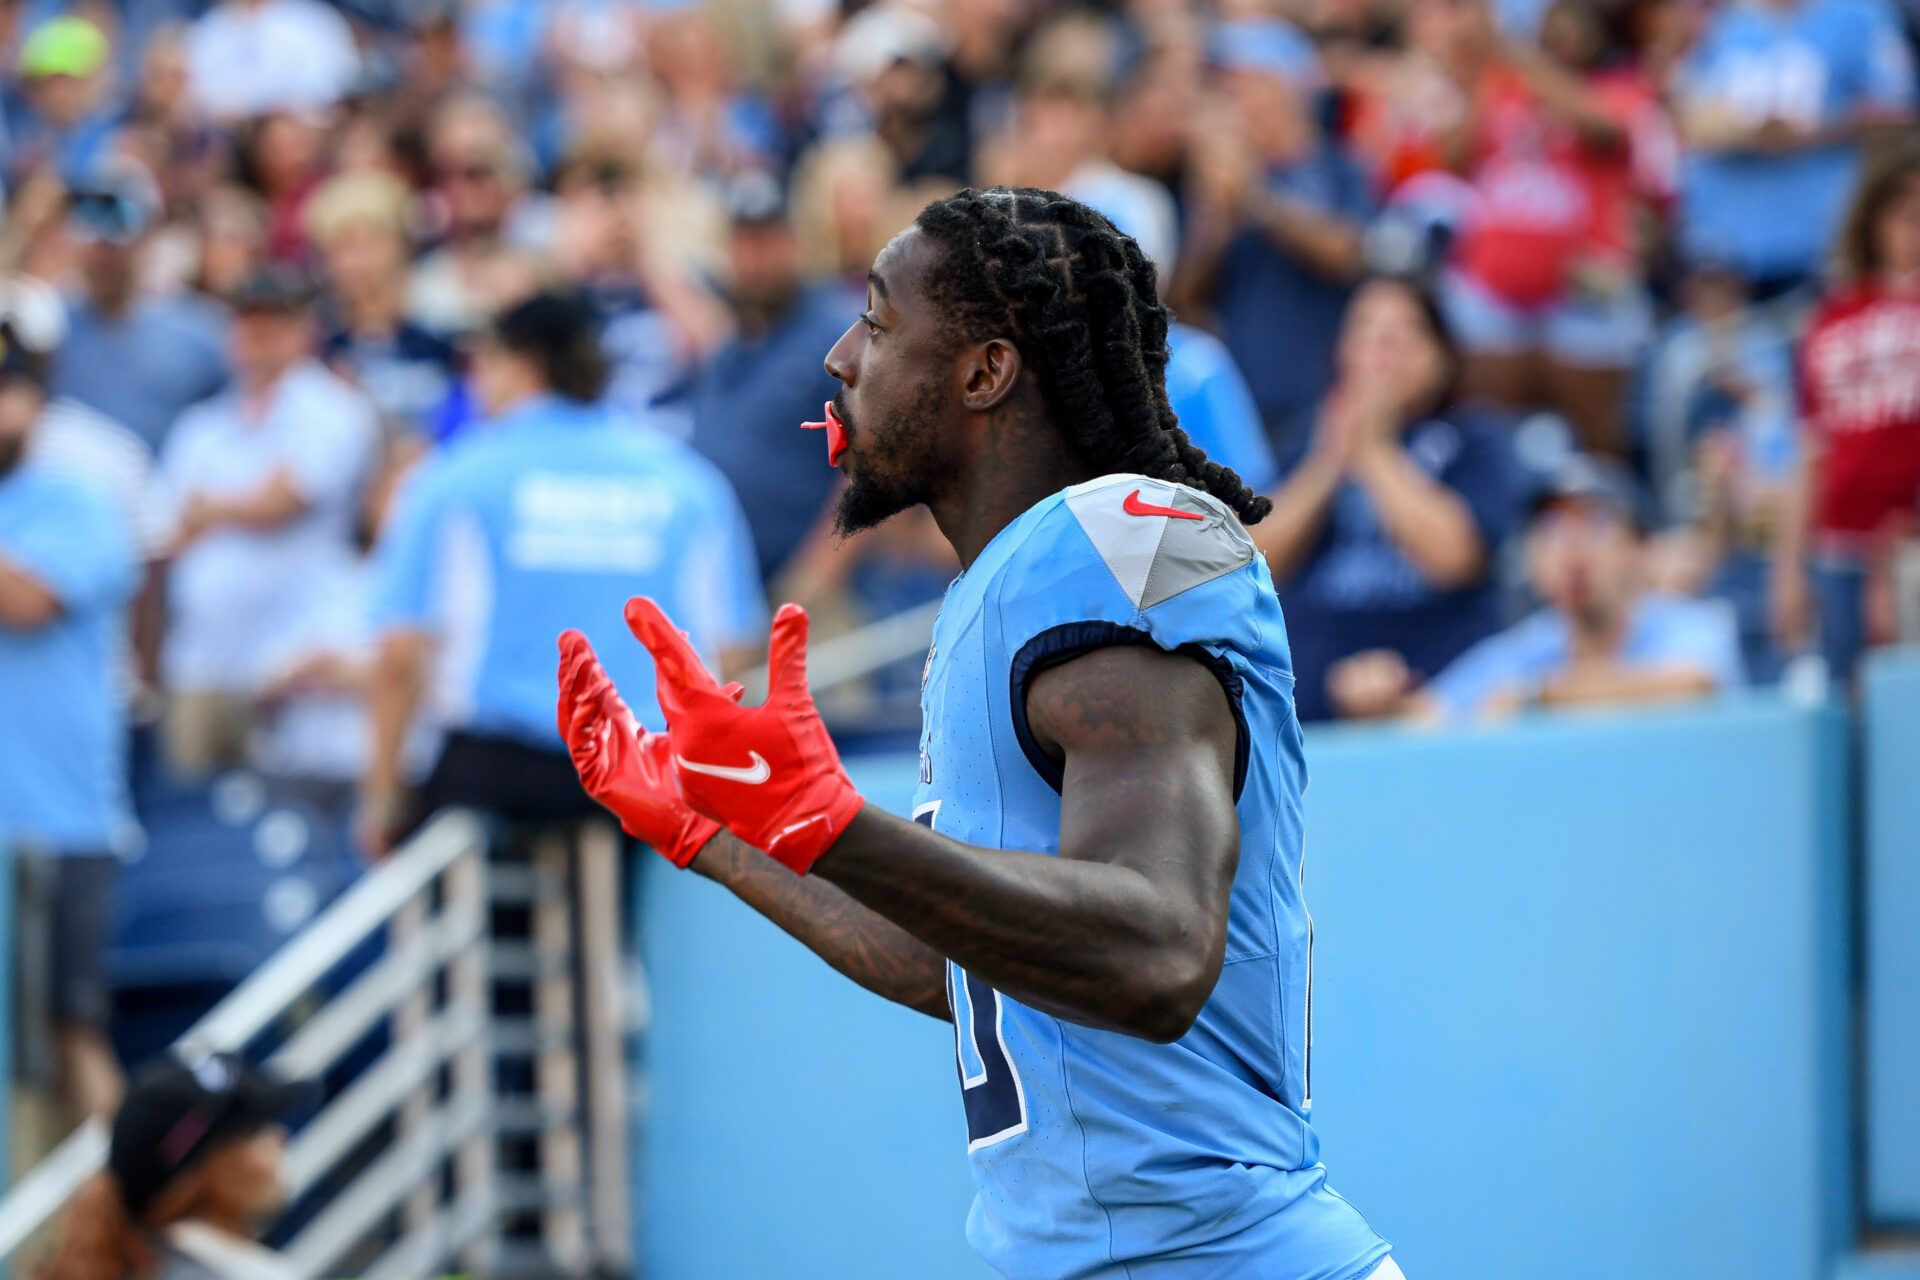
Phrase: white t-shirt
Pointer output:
(229, 591)
(244, 59)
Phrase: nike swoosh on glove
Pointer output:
(623, 766)
(770, 773)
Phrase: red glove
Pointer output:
(622, 765)
(770, 773)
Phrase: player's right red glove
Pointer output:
(622, 765)
(771, 772)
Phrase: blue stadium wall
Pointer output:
(1581, 1003)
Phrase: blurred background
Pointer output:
(350, 350)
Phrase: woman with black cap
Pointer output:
(193, 1169)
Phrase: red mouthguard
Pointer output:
(836, 435)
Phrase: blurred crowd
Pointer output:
(349, 351)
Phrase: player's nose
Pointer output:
(841, 362)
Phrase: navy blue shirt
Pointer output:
(409, 374)
(747, 405)
(1357, 590)
(1278, 316)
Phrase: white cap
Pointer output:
(876, 38)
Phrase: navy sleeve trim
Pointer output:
(1068, 641)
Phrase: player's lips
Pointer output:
(836, 434)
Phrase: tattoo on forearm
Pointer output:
(877, 954)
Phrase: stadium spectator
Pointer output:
(1206, 390)
(1600, 640)
(267, 479)
(139, 358)
(358, 221)
(896, 87)
(1562, 147)
(708, 125)
(163, 128)
(550, 517)
(281, 156)
(250, 57)
(479, 171)
(656, 321)
(1275, 212)
(1773, 104)
(67, 571)
(1857, 496)
(66, 66)
(749, 397)
(1060, 136)
(1384, 531)
(193, 1173)
(1158, 94)
(1724, 442)
(227, 243)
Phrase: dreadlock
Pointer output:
(1081, 302)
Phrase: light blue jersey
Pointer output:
(1097, 1154)
(548, 519)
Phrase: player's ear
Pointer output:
(991, 369)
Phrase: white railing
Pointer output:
(431, 897)
(860, 652)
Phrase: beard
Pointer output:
(12, 450)
(897, 471)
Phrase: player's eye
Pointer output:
(873, 326)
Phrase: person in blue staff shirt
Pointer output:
(1600, 639)
(1386, 529)
(549, 516)
(68, 569)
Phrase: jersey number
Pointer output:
(989, 1084)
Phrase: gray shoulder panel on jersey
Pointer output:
(1155, 556)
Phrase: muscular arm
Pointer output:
(874, 952)
(1126, 929)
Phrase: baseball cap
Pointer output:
(116, 208)
(1265, 45)
(178, 1110)
(881, 35)
(275, 287)
(1581, 477)
(64, 46)
(754, 198)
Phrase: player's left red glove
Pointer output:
(769, 773)
(621, 764)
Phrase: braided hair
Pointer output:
(1081, 302)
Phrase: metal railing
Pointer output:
(431, 896)
(434, 1084)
